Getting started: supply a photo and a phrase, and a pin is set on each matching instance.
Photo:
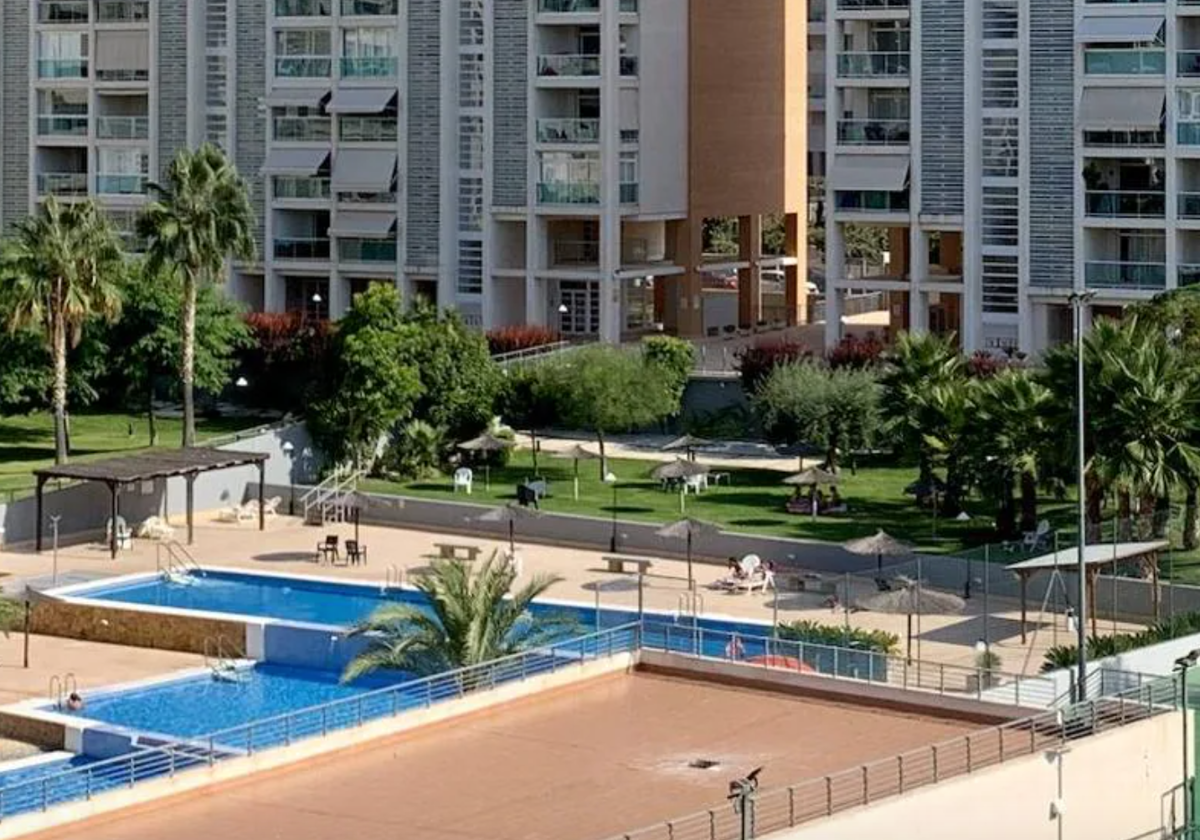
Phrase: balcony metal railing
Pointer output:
(630, 135)
(367, 250)
(563, 192)
(870, 5)
(303, 67)
(566, 7)
(369, 67)
(62, 68)
(568, 65)
(122, 11)
(122, 74)
(301, 248)
(370, 8)
(62, 183)
(873, 132)
(1187, 133)
(1188, 274)
(316, 129)
(63, 11)
(1101, 274)
(121, 184)
(566, 130)
(629, 65)
(569, 252)
(1187, 63)
(872, 201)
(303, 8)
(62, 125)
(867, 65)
(1189, 205)
(122, 128)
(299, 186)
(628, 193)
(1125, 139)
(1113, 204)
(367, 129)
(382, 197)
(1109, 62)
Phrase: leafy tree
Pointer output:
(806, 402)
(862, 243)
(146, 341)
(528, 403)
(198, 218)
(26, 374)
(470, 620)
(372, 386)
(60, 269)
(674, 356)
(289, 356)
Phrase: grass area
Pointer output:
(753, 501)
(27, 441)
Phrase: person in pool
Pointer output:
(75, 702)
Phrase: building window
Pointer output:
(470, 204)
(470, 143)
(470, 267)
(470, 80)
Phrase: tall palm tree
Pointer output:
(60, 269)
(200, 216)
(917, 363)
(1013, 413)
(471, 619)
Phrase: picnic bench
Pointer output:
(457, 551)
(616, 563)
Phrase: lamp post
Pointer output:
(1182, 664)
(611, 479)
(288, 448)
(54, 566)
(1079, 300)
(562, 312)
(741, 794)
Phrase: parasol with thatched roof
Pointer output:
(688, 529)
(486, 443)
(879, 544)
(689, 444)
(509, 513)
(800, 450)
(679, 471)
(578, 453)
(908, 597)
(812, 478)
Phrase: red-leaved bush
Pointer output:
(287, 354)
(511, 339)
(756, 362)
(856, 353)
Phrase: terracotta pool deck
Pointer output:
(581, 764)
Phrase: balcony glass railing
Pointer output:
(122, 74)
(1188, 274)
(63, 125)
(871, 5)
(315, 129)
(62, 68)
(566, 130)
(62, 183)
(1189, 205)
(299, 186)
(568, 65)
(629, 193)
(567, 7)
(383, 197)
(873, 132)
(1125, 275)
(121, 184)
(1188, 63)
(369, 67)
(872, 201)
(629, 65)
(122, 11)
(1187, 133)
(561, 192)
(367, 129)
(1125, 139)
(370, 8)
(303, 8)
(303, 67)
(301, 248)
(123, 128)
(1106, 62)
(367, 250)
(1125, 204)
(63, 11)
(866, 65)
(575, 252)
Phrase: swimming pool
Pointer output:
(37, 785)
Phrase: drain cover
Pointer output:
(703, 764)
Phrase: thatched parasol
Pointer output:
(812, 478)
(688, 529)
(679, 470)
(689, 444)
(578, 453)
(880, 544)
(509, 513)
(800, 450)
(908, 597)
(487, 443)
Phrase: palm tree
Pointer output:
(1013, 413)
(59, 270)
(917, 363)
(471, 619)
(199, 217)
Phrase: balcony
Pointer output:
(301, 248)
(367, 129)
(62, 68)
(122, 11)
(1189, 205)
(1187, 132)
(873, 132)
(564, 192)
(1109, 62)
(369, 67)
(300, 187)
(303, 129)
(122, 128)
(123, 74)
(121, 184)
(1122, 204)
(871, 201)
(303, 67)
(1188, 274)
(62, 183)
(570, 252)
(62, 125)
(872, 65)
(1125, 275)
(585, 7)
(569, 131)
(1125, 139)
(370, 8)
(63, 11)
(574, 66)
(303, 8)
(367, 250)
(629, 193)
(1188, 63)
(870, 5)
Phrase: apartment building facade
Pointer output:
(1015, 152)
(522, 161)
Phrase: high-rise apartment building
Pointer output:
(1015, 151)
(522, 161)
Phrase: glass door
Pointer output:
(580, 310)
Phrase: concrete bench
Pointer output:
(616, 563)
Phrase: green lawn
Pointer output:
(753, 502)
(27, 441)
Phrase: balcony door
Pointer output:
(580, 312)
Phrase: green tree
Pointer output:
(836, 410)
(373, 386)
(674, 356)
(198, 218)
(528, 403)
(146, 342)
(59, 270)
(917, 363)
(605, 389)
(471, 619)
(26, 374)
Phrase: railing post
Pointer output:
(428, 693)
(395, 702)
(359, 711)
(250, 739)
(132, 774)
(835, 663)
(871, 667)
(935, 767)
(45, 799)
(171, 753)
(900, 771)
(88, 792)
(1000, 730)
(287, 731)
(1017, 689)
(791, 806)
(905, 674)
(712, 824)
(968, 739)
(941, 678)
(866, 786)
(1032, 740)
(211, 752)
(828, 796)
(324, 721)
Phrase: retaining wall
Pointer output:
(105, 622)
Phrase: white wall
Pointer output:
(662, 101)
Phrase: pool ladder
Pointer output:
(221, 656)
(394, 579)
(62, 687)
(690, 603)
(174, 562)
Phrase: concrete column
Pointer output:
(795, 278)
(750, 278)
(835, 274)
(274, 291)
(917, 265)
(536, 305)
(689, 313)
(610, 198)
(339, 296)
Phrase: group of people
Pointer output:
(831, 504)
(748, 573)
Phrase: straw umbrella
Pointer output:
(578, 453)
(879, 544)
(689, 444)
(909, 597)
(679, 470)
(509, 513)
(812, 478)
(688, 529)
(486, 443)
(800, 450)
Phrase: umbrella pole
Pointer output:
(487, 477)
(683, 498)
(908, 647)
(879, 563)
(577, 479)
(691, 582)
(512, 543)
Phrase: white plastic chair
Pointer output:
(124, 535)
(1033, 540)
(463, 477)
(695, 483)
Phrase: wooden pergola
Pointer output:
(1096, 558)
(147, 466)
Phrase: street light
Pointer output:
(611, 478)
(741, 794)
(1182, 664)
(562, 312)
(288, 448)
(1078, 301)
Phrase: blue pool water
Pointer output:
(28, 773)
(48, 783)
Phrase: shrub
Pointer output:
(985, 365)
(512, 339)
(416, 450)
(287, 356)
(836, 635)
(674, 356)
(755, 362)
(856, 353)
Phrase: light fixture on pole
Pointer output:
(1079, 300)
(562, 313)
(741, 794)
(288, 448)
(1182, 665)
(611, 478)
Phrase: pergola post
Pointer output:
(262, 478)
(1092, 573)
(113, 513)
(1152, 562)
(41, 487)
(189, 481)
(1024, 578)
